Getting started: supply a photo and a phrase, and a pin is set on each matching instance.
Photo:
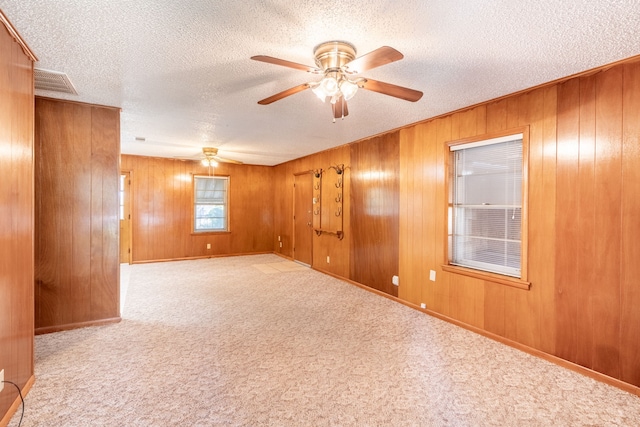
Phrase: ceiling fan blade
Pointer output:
(224, 160)
(392, 90)
(284, 94)
(381, 56)
(284, 63)
(340, 109)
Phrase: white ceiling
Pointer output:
(180, 70)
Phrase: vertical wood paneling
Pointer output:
(606, 298)
(531, 115)
(78, 180)
(441, 287)
(542, 271)
(374, 201)
(16, 217)
(105, 174)
(428, 257)
(629, 288)
(568, 233)
(608, 186)
(585, 254)
(407, 290)
(77, 264)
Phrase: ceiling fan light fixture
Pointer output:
(329, 84)
(317, 91)
(348, 89)
(209, 162)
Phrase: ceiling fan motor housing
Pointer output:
(333, 55)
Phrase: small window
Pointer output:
(486, 209)
(210, 203)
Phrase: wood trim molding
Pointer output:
(520, 283)
(16, 36)
(489, 277)
(147, 261)
(4, 422)
(70, 326)
(86, 104)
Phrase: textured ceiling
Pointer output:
(180, 70)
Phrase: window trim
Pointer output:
(522, 282)
(195, 232)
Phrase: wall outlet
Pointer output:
(395, 280)
(423, 305)
(432, 275)
(1, 380)
(328, 259)
(208, 245)
(280, 244)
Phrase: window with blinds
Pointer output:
(210, 203)
(486, 209)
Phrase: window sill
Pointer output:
(209, 233)
(489, 277)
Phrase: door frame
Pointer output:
(309, 222)
(128, 196)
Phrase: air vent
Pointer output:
(54, 81)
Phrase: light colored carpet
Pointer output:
(221, 342)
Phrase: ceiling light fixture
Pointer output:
(208, 162)
(335, 84)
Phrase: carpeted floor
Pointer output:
(250, 341)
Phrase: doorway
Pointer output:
(302, 218)
(124, 197)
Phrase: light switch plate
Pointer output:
(395, 280)
(432, 275)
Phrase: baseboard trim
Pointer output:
(283, 256)
(70, 326)
(148, 261)
(4, 422)
(598, 376)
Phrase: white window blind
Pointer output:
(487, 205)
(210, 203)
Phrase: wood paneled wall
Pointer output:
(584, 221)
(16, 215)
(162, 194)
(77, 174)
(368, 253)
(375, 202)
(325, 245)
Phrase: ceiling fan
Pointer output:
(337, 62)
(210, 157)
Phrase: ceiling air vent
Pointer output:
(54, 81)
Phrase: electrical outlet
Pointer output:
(328, 259)
(1, 380)
(280, 244)
(208, 245)
(423, 305)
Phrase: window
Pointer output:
(486, 209)
(210, 203)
